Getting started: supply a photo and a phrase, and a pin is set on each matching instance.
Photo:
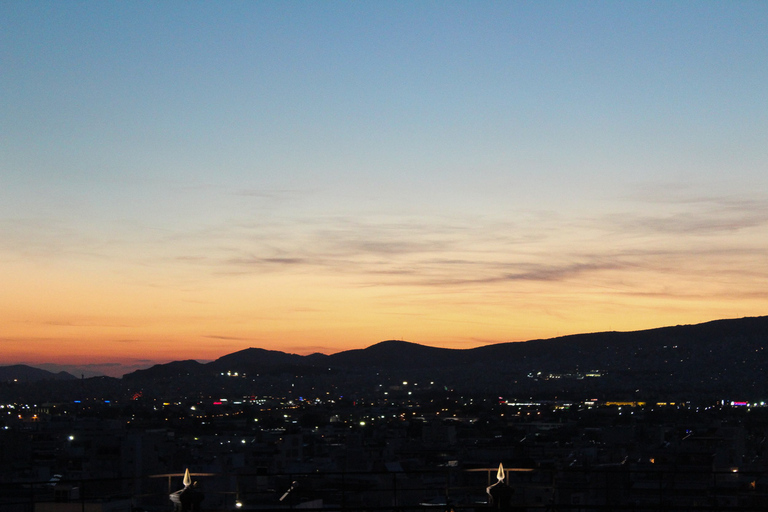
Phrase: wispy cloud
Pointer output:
(454, 251)
(533, 272)
(667, 229)
(703, 217)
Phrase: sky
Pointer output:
(182, 180)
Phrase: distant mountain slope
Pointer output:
(257, 359)
(713, 358)
(396, 353)
(167, 370)
(717, 342)
(24, 373)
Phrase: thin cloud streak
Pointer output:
(389, 250)
(685, 212)
(533, 272)
(447, 252)
(714, 219)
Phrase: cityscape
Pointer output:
(346, 443)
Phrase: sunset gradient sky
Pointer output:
(182, 180)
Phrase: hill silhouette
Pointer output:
(24, 373)
(722, 359)
(713, 359)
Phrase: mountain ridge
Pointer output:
(716, 359)
(410, 354)
(729, 355)
(26, 373)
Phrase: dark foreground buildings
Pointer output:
(401, 450)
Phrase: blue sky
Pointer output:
(455, 173)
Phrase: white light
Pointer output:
(239, 504)
(71, 438)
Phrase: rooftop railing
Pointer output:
(616, 488)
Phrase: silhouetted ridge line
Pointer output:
(396, 353)
(168, 370)
(24, 373)
(718, 359)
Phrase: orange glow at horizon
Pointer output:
(97, 318)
